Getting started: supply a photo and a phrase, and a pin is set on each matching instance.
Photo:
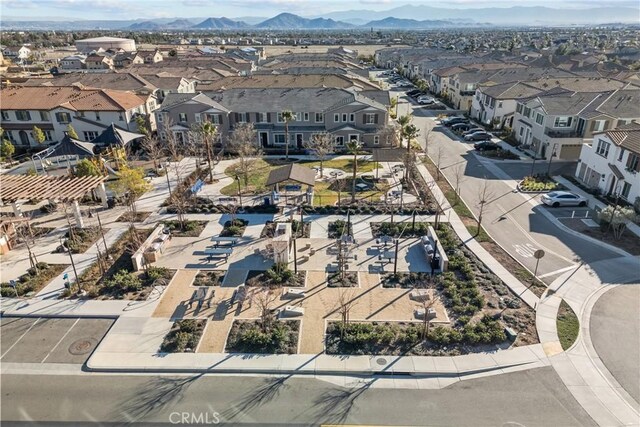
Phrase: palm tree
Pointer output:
(209, 131)
(287, 116)
(404, 121)
(353, 147)
(410, 132)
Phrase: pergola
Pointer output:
(14, 188)
(291, 173)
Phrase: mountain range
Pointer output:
(400, 18)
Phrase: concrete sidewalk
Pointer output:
(456, 223)
(580, 367)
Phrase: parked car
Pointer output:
(563, 198)
(414, 92)
(472, 130)
(425, 100)
(478, 136)
(450, 121)
(463, 127)
(485, 146)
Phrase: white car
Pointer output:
(563, 198)
(425, 100)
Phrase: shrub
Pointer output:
(123, 282)
(155, 273)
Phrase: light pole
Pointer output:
(551, 156)
(166, 173)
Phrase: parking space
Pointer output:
(50, 340)
(571, 212)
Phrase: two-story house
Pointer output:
(72, 63)
(127, 59)
(150, 56)
(496, 104)
(52, 109)
(345, 114)
(98, 63)
(557, 122)
(17, 52)
(612, 162)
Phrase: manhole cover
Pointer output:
(381, 361)
(82, 346)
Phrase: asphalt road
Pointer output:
(615, 333)
(512, 219)
(530, 398)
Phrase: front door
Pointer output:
(299, 140)
(264, 139)
(24, 138)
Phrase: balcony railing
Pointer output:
(562, 133)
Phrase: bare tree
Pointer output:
(243, 141)
(427, 137)
(458, 178)
(438, 161)
(346, 301)
(321, 145)
(180, 202)
(426, 304)
(485, 196)
(151, 145)
(264, 300)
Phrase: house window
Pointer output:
(160, 117)
(63, 117)
(633, 163)
(44, 116)
(47, 135)
(97, 115)
(261, 118)
(527, 112)
(242, 117)
(280, 118)
(562, 122)
(279, 138)
(499, 104)
(182, 117)
(598, 125)
(603, 148)
(376, 139)
(9, 135)
(306, 117)
(352, 118)
(23, 115)
(215, 119)
(539, 118)
(5, 115)
(198, 118)
(352, 137)
(319, 117)
(621, 154)
(344, 117)
(521, 131)
(369, 118)
(90, 135)
(519, 108)
(336, 118)
(339, 140)
(626, 188)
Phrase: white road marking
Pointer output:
(59, 341)
(559, 271)
(21, 336)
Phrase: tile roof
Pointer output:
(510, 90)
(287, 81)
(115, 81)
(627, 136)
(173, 99)
(71, 97)
(622, 104)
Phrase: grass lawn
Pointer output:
(568, 325)
(345, 165)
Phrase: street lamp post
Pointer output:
(551, 156)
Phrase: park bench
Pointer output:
(213, 252)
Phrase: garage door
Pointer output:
(570, 152)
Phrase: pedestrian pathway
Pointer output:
(456, 223)
(580, 367)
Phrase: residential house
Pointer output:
(126, 59)
(17, 52)
(72, 63)
(496, 104)
(97, 62)
(558, 122)
(345, 114)
(612, 162)
(150, 56)
(52, 109)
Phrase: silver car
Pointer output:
(563, 198)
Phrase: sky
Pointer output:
(134, 9)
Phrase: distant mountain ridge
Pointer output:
(401, 17)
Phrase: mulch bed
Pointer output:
(209, 278)
(407, 280)
(191, 228)
(350, 280)
(261, 278)
(270, 227)
(138, 217)
(628, 242)
(246, 336)
(234, 228)
(183, 337)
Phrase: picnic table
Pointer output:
(388, 255)
(223, 241)
(212, 252)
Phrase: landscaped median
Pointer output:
(538, 184)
